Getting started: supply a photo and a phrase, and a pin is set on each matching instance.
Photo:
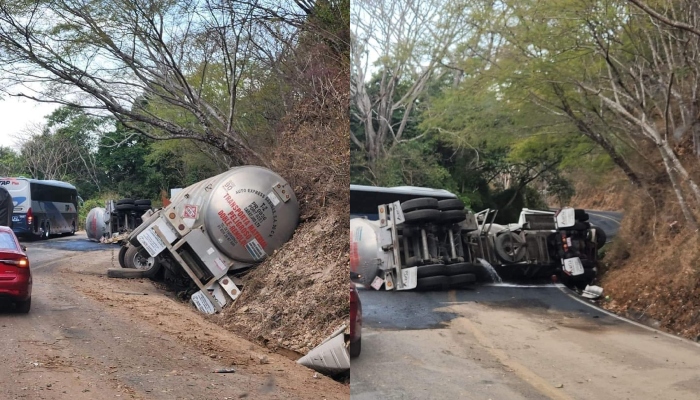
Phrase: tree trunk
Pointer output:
(667, 152)
(689, 218)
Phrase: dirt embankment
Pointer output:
(651, 271)
(300, 295)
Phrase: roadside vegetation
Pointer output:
(515, 104)
(157, 95)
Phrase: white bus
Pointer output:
(42, 207)
(364, 200)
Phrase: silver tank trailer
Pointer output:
(96, 223)
(365, 252)
(247, 212)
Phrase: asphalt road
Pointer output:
(609, 221)
(500, 342)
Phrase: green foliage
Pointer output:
(10, 162)
(412, 163)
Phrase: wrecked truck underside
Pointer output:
(212, 230)
(426, 243)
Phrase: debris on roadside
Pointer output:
(592, 292)
(225, 371)
(331, 357)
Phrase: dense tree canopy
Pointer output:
(522, 92)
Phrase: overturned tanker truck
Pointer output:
(426, 243)
(212, 230)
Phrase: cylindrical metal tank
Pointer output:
(96, 223)
(247, 212)
(364, 249)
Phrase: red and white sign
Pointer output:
(190, 211)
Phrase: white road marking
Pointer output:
(629, 321)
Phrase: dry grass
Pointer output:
(299, 295)
(651, 269)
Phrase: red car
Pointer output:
(15, 276)
(355, 322)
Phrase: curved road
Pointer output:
(515, 342)
(500, 342)
(609, 221)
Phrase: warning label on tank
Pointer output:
(190, 211)
(244, 229)
(255, 250)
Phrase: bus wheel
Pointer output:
(47, 231)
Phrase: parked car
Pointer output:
(355, 322)
(15, 275)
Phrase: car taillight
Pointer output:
(30, 216)
(21, 263)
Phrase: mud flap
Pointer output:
(409, 278)
(572, 266)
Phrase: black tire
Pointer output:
(600, 237)
(431, 270)
(413, 261)
(433, 283)
(422, 203)
(124, 207)
(125, 273)
(23, 307)
(125, 201)
(462, 280)
(581, 215)
(142, 207)
(419, 216)
(579, 226)
(133, 258)
(461, 268)
(143, 202)
(510, 247)
(47, 231)
(122, 252)
(452, 216)
(451, 205)
(355, 348)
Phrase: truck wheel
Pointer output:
(413, 261)
(124, 207)
(143, 202)
(433, 283)
(418, 216)
(355, 348)
(134, 259)
(431, 270)
(125, 201)
(462, 280)
(581, 215)
(510, 247)
(461, 268)
(122, 252)
(421, 203)
(451, 205)
(600, 237)
(452, 216)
